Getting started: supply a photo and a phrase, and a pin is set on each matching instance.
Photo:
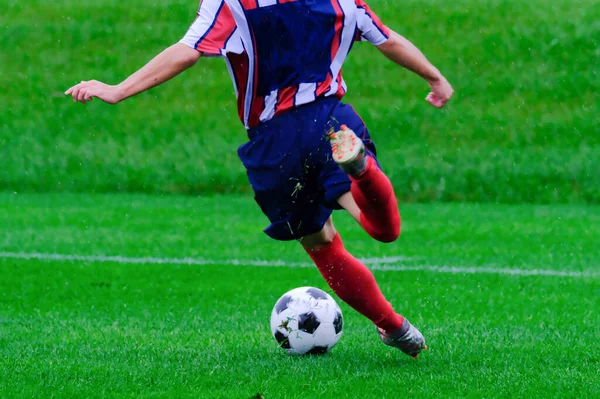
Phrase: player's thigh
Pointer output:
(322, 238)
(347, 202)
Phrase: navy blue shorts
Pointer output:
(291, 170)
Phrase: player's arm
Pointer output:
(168, 64)
(404, 53)
(211, 30)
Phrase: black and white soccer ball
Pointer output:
(306, 320)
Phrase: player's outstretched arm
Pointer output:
(168, 64)
(406, 54)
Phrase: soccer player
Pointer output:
(308, 153)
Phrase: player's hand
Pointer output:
(441, 92)
(86, 90)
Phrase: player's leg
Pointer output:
(352, 178)
(347, 202)
(372, 192)
(349, 278)
(354, 283)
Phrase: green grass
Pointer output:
(92, 329)
(524, 124)
(523, 127)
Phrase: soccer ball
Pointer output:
(306, 321)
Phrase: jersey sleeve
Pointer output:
(370, 27)
(214, 29)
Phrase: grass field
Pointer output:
(524, 125)
(115, 283)
(508, 297)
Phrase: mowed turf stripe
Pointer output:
(388, 264)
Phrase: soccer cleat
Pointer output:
(408, 339)
(348, 151)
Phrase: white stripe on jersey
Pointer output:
(306, 93)
(266, 3)
(232, 74)
(348, 8)
(233, 44)
(369, 30)
(270, 103)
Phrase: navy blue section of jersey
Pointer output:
(293, 42)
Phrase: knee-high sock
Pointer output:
(374, 195)
(354, 283)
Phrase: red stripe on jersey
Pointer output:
(286, 1)
(249, 4)
(324, 86)
(239, 65)
(384, 29)
(286, 99)
(258, 106)
(339, 25)
(335, 46)
(219, 33)
(258, 103)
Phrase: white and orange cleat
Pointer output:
(408, 339)
(348, 151)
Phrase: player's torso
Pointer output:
(293, 53)
(283, 53)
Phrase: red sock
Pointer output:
(374, 195)
(355, 284)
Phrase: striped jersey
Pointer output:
(283, 53)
